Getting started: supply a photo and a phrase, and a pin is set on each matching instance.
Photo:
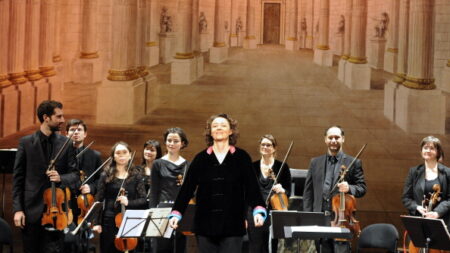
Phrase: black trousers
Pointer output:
(38, 240)
(219, 244)
(164, 245)
(258, 237)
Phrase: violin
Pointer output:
(429, 204)
(344, 208)
(344, 204)
(123, 244)
(56, 213)
(84, 201)
(278, 201)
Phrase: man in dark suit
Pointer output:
(31, 178)
(323, 175)
(87, 162)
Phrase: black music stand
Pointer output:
(282, 219)
(427, 233)
(7, 158)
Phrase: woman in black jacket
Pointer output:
(225, 185)
(422, 178)
(107, 191)
(259, 236)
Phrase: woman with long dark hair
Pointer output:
(109, 184)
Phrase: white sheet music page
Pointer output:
(158, 223)
(133, 223)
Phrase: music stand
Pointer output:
(281, 219)
(158, 223)
(133, 223)
(427, 233)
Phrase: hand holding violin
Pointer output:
(53, 175)
(85, 189)
(278, 188)
(343, 187)
(123, 200)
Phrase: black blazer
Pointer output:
(89, 162)
(313, 192)
(224, 192)
(29, 178)
(413, 191)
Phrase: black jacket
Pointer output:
(224, 191)
(30, 180)
(313, 193)
(266, 185)
(413, 191)
(88, 162)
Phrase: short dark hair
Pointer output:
(180, 132)
(436, 143)
(156, 145)
(47, 107)
(75, 122)
(233, 126)
(336, 126)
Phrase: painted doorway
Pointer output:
(271, 34)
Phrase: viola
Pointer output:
(123, 244)
(343, 204)
(344, 208)
(429, 204)
(278, 201)
(84, 201)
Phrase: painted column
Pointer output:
(152, 31)
(88, 68)
(140, 37)
(390, 58)
(417, 101)
(89, 43)
(57, 37)
(291, 40)
(219, 51)
(357, 71)
(322, 54)
(403, 35)
(123, 61)
(4, 25)
(196, 37)
(47, 38)
(184, 68)
(420, 46)
(250, 39)
(17, 42)
(347, 39)
(234, 36)
(31, 63)
(123, 87)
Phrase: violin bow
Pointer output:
(97, 170)
(130, 163)
(85, 149)
(282, 164)
(53, 161)
(341, 177)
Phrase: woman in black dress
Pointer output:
(166, 179)
(151, 152)
(259, 236)
(108, 188)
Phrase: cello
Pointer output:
(344, 204)
(279, 201)
(56, 213)
(124, 244)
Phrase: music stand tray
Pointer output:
(427, 233)
(133, 223)
(282, 219)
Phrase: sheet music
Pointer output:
(133, 223)
(158, 224)
(318, 229)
